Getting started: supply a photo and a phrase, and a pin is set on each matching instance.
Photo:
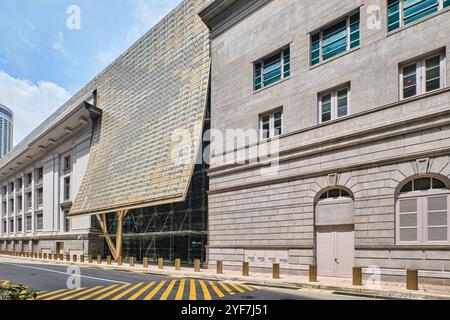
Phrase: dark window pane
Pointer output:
(335, 193)
(433, 85)
(438, 184)
(344, 194)
(407, 187)
(422, 184)
(324, 196)
(409, 92)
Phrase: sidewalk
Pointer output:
(387, 290)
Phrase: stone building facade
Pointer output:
(39, 180)
(355, 93)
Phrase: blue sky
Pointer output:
(43, 62)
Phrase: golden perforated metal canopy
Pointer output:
(153, 100)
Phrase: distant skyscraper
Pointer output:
(6, 130)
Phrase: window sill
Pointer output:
(334, 58)
(271, 85)
(410, 25)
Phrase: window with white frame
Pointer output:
(67, 163)
(403, 12)
(422, 76)
(39, 221)
(334, 104)
(66, 191)
(423, 212)
(271, 125)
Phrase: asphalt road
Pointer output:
(57, 282)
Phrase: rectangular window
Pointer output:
(271, 125)
(40, 174)
(66, 188)
(68, 226)
(422, 76)
(11, 206)
(29, 180)
(39, 221)
(4, 227)
(272, 69)
(29, 200)
(66, 163)
(403, 12)
(19, 225)
(423, 220)
(334, 104)
(19, 184)
(19, 203)
(11, 226)
(40, 197)
(336, 39)
(4, 190)
(11, 187)
(28, 223)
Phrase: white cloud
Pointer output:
(58, 45)
(31, 102)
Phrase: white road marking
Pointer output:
(60, 272)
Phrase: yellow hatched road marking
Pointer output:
(216, 289)
(109, 293)
(168, 290)
(123, 294)
(81, 293)
(52, 293)
(140, 292)
(180, 292)
(64, 294)
(155, 291)
(97, 292)
(192, 293)
(247, 287)
(206, 294)
(236, 287)
(227, 289)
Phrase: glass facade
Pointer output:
(171, 231)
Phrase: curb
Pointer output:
(362, 292)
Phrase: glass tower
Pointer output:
(6, 130)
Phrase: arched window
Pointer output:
(335, 193)
(423, 215)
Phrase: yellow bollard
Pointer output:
(177, 264)
(145, 262)
(99, 259)
(197, 265)
(276, 271)
(245, 269)
(412, 279)
(357, 276)
(219, 267)
(312, 273)
(160, 263)
(131, 262)
(90, 259)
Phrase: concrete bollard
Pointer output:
(219, 267)
(108, 260)
(99, 259)
(245, 269)
(82, 258)
(312, 273)
(412, 279)
(131, 261)
(67, 257)
(357, 276)
(119, 261)
(197, 265)
(89, 258)
(160, 263)
(177, 264)
(276, 271)
(145, 262)
(61, 257)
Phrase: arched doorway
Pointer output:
(335, 234)
(423, 211)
